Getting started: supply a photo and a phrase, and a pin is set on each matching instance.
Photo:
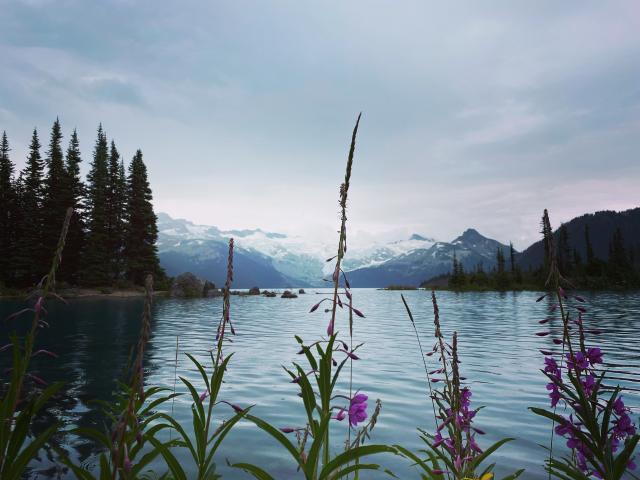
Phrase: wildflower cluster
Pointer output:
(597, 428)
(453, 450)
(454, 441)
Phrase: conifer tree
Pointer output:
(7, 210)
(500, 260)
(564, 251)
(97, 254)
(512, 257)
(501, 277)
(116, 204)
(619, 267)
(55, 203)
(593, 264)
(29, 255)
(142, 231)
(516, 272)
(73, 197)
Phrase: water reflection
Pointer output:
(499, 350)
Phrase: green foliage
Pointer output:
(54, 199)
(74, 192)
(7, 210)
(29, 254)
(115, 213)
(205, 441)
(142, 233)
(452, 450)
(139, 442)
(108, 211)
(19, 405)
(313, 454)
(98, 257)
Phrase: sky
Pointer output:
(474, 114)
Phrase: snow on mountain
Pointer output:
(420, 264)
(300, 259)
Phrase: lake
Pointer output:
(498, 349)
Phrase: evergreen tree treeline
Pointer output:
(620, 270)
(112, 234)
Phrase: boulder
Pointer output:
(209, 289)
(254, 291)
(301, 291)
(187, 285)
(269, 294)
(288, 294)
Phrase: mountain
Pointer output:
(202, 250)
(601, 228)
(412, 268)
(275, 259)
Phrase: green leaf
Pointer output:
(200, 368)
(353, 455)
(480, 458)
(174, 466)
(257, 472)
(19, 465)
(353, 468)
(278, 435)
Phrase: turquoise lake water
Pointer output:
(498, 348)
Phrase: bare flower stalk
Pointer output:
(342, 249)
(13, 465)
(128, 419)
(424, 361)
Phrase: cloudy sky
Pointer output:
(474, 115)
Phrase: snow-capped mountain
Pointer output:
(183, 245)
(418, 265)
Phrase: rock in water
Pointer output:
(301, 291)
(210, 290)
(187, 285)
(254, 291)
(288, 294)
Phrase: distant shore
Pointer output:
(70, 293)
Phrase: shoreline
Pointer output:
(74, 293)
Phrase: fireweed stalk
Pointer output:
(452, 451)
(206, 440)
(128, 421)
(17, 408)
(134, 423)
(598, 429)
(313, 454)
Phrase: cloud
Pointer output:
(474, 114)
(113, 89)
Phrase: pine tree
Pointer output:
(500, 260)
(142, 231)
(564, 251)
(73, 197)
(593, 266)
(97, 254)
(55, 203)
(7, 210)
(619, 266)
(501, 277)
(116, 204)
(30, 256)
(512, 257)
(516, 272)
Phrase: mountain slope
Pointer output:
(277, 260)
(202, 250)
(601, 227)
(471, 248)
